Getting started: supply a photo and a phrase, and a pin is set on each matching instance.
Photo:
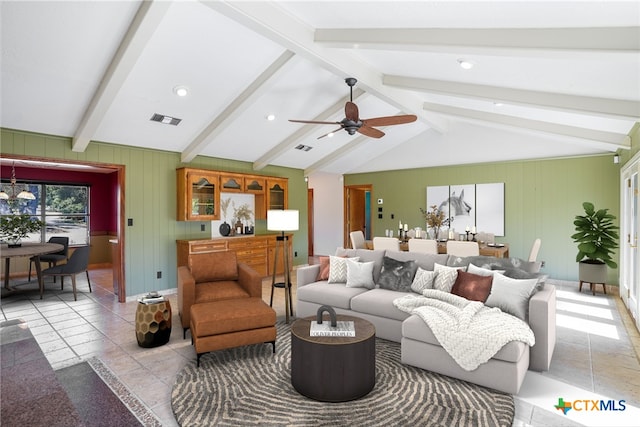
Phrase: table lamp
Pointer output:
(282, 220)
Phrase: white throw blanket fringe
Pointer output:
(469, 331)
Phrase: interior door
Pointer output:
(357, 211)
(630, 256)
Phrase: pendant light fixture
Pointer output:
(24, 194)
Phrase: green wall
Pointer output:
(150, 199)
(541, 200)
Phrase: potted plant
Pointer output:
(435, 219)
(14, 228)
(597, 238)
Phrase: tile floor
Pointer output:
(594, 352)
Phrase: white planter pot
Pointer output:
(592, 273)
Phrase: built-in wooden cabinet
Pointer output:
(257, 251)
(199, 192)
(198, 195)
(277, 197)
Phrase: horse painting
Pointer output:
(455, 206)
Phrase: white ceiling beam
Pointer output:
(551, 42)
(144, 24)
(302, 132)
(607, 141)
(336, 155)
(611, 108)
(240, 104)
(274, 23)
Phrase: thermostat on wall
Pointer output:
(379, 201)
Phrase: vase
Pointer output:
(224, 229)
(433, 233)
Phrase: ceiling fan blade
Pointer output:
(314, 122)
(328, 133)
(371, 132)
(390, 120)
(351, 111)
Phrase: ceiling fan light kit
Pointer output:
(352, 122)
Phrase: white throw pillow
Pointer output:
(423, 280)
(511, 295)
(360, 274)
(445, 277)
(471, 268)
(338, 269)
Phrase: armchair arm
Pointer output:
(186, 294)
(249, 280)
(542, 320)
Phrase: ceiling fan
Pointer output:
(352, 122)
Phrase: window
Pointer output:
(63, 208)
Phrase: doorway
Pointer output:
(629, 224)
(104, 168)
(357, 216)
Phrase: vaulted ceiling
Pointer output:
(549, 79)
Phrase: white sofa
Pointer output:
(419, 347)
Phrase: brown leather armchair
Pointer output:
(214, 276)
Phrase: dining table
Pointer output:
(498, 250)
(32, 251)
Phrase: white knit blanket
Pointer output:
(469, 331)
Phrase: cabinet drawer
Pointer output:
(241, 253)
(208, 247)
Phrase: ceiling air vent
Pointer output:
(167, 120)
(303, 147)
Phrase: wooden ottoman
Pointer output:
(231, 323)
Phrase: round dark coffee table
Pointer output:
(333, 369)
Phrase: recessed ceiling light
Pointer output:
(498, 104)
(181, 90)
(465, 64)
(271, 117)
(330, 135)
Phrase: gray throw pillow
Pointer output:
(397, 275)
(512, 295)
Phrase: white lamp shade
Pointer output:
(282, 220)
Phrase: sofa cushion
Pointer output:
(336, 295)
(423, 280)
(424, 261)
(379, 302)
(397, 275)
(416, 329)
(338, 269)
(218, 291)
(473, 287)
(208, 267)
(360, 274)
(512, 295)
(445, 277)
(365, 255)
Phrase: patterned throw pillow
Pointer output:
(445, 277)
(360, 274)
(423, 280)
(473, 287)
(338, 269)
(397, 275)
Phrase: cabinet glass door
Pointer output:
(203, 198)
(276, 197)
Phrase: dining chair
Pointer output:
(426, 246)
(458, 248)
(389, 243)
(533, 255)
(357, 239)
(56, 257)
(78, 263)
